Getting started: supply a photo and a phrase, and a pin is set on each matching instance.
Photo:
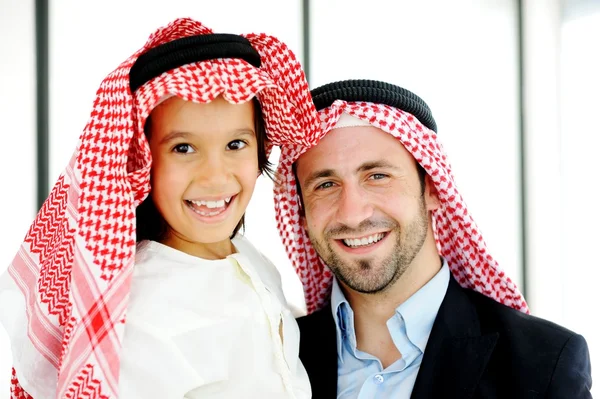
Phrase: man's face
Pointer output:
(365, 210)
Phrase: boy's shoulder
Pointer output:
(246, 248)
(267, 271)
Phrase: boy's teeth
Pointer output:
(359, 242)
(212, 204)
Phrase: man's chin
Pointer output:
(366, 287)
(365, 279)
(360, 265)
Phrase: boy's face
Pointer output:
(204, 168)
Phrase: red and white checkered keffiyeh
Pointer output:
(74, 268)
(456, 234)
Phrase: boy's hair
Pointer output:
(150, 225)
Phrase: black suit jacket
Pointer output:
(478, 348)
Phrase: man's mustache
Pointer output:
(366, 226)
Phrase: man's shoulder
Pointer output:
(494, 316)
(546, 355)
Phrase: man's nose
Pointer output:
(353, 206)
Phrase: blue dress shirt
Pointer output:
(361, 375)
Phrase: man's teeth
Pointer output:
(360, 242)
(212, 204)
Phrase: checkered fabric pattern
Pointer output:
(75, 265)
(456, 233)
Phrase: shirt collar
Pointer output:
(340, 308)
(418, 312)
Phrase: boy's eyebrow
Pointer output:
(244, 132)
(186, 135)
(174, 135)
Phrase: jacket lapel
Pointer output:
(456, 354)
(318, 352)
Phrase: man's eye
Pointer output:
(378, 176)
(183, 149)
(324, 185)
(236, 145)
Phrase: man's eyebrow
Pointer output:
(319, 174)
(365, 167)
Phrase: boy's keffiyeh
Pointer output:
(72, 274)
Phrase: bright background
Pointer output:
(463, 58)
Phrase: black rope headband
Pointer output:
(375, 92)
(187, 50)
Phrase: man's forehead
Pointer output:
(347, 120)
(350, 144)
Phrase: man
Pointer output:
(418, 307)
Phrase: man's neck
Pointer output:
(372, 311)
(381, 306)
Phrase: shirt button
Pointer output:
(378, 379)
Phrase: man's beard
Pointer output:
(360, 275)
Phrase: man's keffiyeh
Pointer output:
(405, 116)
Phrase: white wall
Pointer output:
(461, 58)
(562, 99)
(580, 214)
(18, 150)
(580, 192)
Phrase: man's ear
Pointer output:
(299, 196)
(432, 198)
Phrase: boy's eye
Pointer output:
(183, 149)
(236, 145)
